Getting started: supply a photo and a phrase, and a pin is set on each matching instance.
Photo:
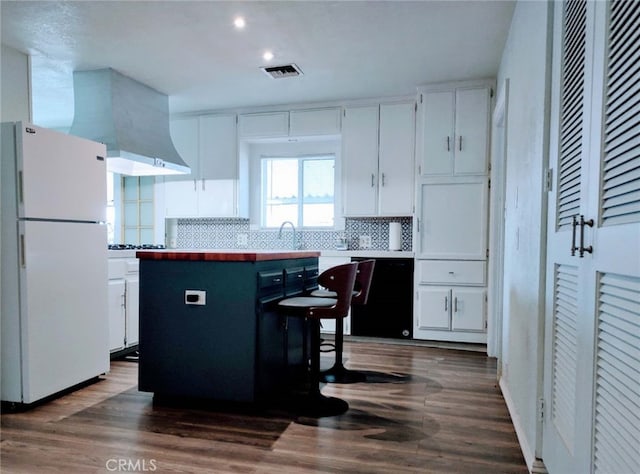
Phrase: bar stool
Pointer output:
(339, 279)
(338, 373)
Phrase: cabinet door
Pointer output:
(116, 314)
(218, 147)
(181, 198)
(267, 125)
(216, 198)
(360, 157)
(468, 310)
(472, 130)
(132, 309)
(453, 220)
(397, 125)
(185, 135)
(315, 122)
(437, 112)
(434, 308)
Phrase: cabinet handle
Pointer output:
(448, 143)
(195, 185)
(460, 139)
(373, 180)
(455, 304)
(383, 180)
(584, 249)
(446, 303)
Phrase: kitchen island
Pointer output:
(209, 326)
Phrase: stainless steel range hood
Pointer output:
(130, 118)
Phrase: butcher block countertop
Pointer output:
(225, 255)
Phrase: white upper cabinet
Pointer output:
(218, 147)
(378, 157)
(263, 125)
(360, 160)
(296, 123)
(208, 144)
(306, 123)
(395, 159)
(185, 133)
(454, 130)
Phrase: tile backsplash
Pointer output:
(232, 233)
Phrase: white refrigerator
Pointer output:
(54, 330)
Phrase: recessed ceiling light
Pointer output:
(239, 22)
(267, 56)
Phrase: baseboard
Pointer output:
(534, 464)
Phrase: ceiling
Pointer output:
(191, 51)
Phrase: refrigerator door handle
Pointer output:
(23, 258)
(20, 187)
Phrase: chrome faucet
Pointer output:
(295, 245)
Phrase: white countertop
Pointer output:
(367, 253)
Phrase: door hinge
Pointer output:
(548, 183)
(421, 98)
(485, 324)
(541, 409)
(491, 92)
(489, 181)
(487, 253)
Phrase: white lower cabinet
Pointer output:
(451, 301)
(116, 314)
(123, 303)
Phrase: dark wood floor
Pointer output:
(422, 410)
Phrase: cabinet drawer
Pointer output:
(451, 272)
(117, 268)
(311, 278)
(133, 266)
(294, 280)
(270, 280)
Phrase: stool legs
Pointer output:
(338, 373)
(314, 403)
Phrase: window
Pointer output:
(298, 189)
(137, 205)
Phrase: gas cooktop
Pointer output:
(135, 247)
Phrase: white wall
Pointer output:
(525, 62)
(15, 83)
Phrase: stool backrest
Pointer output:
(363, 282)
(340, 279)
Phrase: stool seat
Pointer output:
(305, 302)
(323, 293)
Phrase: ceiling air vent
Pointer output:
(278, 72)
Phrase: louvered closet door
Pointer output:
(565, 289)
(592, 357)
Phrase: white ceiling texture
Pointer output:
(191, 51)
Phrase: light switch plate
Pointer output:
(242, 240)
(364, 241)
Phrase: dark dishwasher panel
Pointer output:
(389, 311)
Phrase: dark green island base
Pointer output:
(233, 348)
